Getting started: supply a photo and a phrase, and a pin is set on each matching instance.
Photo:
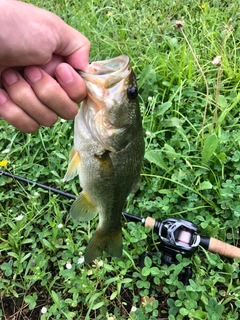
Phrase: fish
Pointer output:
(108, 151)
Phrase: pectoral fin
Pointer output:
(74, 162)
(83, 209)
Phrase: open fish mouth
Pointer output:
(107, 73)
(110, 66)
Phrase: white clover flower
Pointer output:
(89, 273)
(100, 263)
(133, 309)
(68, 265)
(36, 194)
(148, 133)
(19, 217)
(44, 310)
(6, 151)
(60, 225)
(81, 260)
(150, 98)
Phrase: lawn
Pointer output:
(189, 102)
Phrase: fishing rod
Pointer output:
(176, 235)
(42, 186)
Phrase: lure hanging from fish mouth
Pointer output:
(108, 151)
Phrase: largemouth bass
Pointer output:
(108, 151)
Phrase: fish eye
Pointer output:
(132, 92)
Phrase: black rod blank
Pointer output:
(42, 186)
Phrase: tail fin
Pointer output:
(109, 242)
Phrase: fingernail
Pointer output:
(10, 77)
(64, 73)
(3, 97)
(33, 74)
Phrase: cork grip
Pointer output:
(223, 248)
(149, 222)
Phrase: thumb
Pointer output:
(79, 58)
(74, 47)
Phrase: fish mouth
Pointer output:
(107, 82)
(111, 66)
(107, 73)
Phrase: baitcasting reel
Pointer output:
(179, 236)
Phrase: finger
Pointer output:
(51, 66)
(50, 93)
(16, 116)
(23, 96)
(71, 82)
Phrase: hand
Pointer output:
(39, 52)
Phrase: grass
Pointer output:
(190, 110)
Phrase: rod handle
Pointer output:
(223, 248)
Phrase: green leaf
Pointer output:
(60, 155)
(111, 280)
(209, 147)
(155, 271)
(126, 280)
(25, 257)
(48, 244)
(237, 303)
(222, 101)
(214, 309)
(98, 305)
(146, 271)
(171, 154)
(147, 262)
(155, 156)
(178, 303)
(56, 298)
(163, 108)
(198, 314)
(147, 74)
(183, 311)
(205, 185)
(31, 300)
(113, 295)
(7, 267)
